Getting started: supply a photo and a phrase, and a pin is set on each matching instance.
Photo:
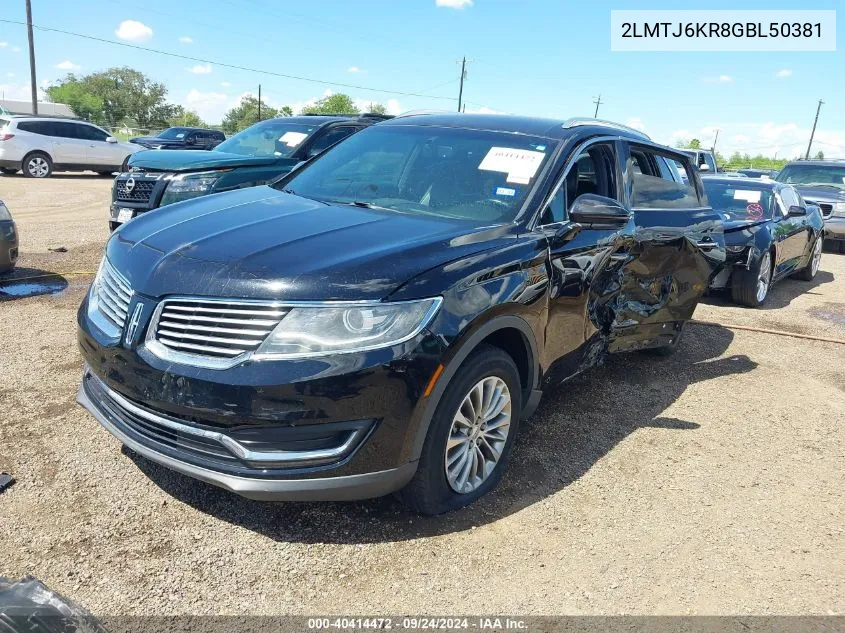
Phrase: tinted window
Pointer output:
(592, 172)
(740, 200)
(174, 133)
(89, 132)
(38, 127)
(332, 136)
(656, 186)
(832, 176)
(789, 198)
(478, 175)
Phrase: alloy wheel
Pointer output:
(38, 167)
(764, 278)
(817, 257)
(478, 434)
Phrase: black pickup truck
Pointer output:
(182, 138)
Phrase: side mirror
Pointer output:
(704, 167)
(589, 208)
(796, 211)
(111, 139)
(191, 140)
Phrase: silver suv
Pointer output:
(38, 145)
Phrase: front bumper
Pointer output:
(834, 228)
(8, 245)
(167, 412)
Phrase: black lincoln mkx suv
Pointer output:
(381, 318)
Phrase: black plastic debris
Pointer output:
(6, 480)
(57, 249)
(28, 606)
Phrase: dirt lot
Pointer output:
(710, 482)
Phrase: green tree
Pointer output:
(694, 144)
(285, 111)
(377, 108)
(84, 104)
(187, 118)
(820, 155)
(246, 113)
(125, 93)
(333, 104)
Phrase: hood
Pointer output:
(197, 159)
(820, 194)
(155, 141)
(260, 243)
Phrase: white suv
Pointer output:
(38, 145)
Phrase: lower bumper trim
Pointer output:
(344, 488)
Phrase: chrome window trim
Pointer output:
(196, 360)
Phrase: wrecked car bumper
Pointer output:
(834, 228)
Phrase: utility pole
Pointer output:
(715, 140)
(813, 133)
(259, 102)
(32, 83)
(597, 101)
(463, 76)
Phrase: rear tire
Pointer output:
(842, 246)
(456, 434)
(746, 286)
(37, 165)
(809, 271)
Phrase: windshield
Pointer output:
(450, 172)
(274, 137)
(173, 133)
(832, 176)
(741, 201)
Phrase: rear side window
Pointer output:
(660, 181)
(89, 132)
(38, 127)
(328, 139)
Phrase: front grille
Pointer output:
(113, 294)
(827, 209)
(140, 192)
(216, 329)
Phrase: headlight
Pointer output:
(189, 186)
(4, 213)
(324, 329)
(839, 209)
(735, 249)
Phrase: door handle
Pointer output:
(706, 244)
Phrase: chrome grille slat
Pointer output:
(141, 192)
(113, 295)
(214, 329)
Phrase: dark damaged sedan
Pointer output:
(770, 234)
(382, 318)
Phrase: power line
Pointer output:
(232, 66)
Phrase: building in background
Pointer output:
(13, 106)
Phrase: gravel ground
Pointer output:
(707, 483)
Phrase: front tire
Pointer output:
(751, 287)
(37, 165)
(471, 435)
(809, 271)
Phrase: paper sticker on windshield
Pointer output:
(505, 191)
(180, 135)
(519, 164)
(748, 195)
(292, 139)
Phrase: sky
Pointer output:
(535, 57)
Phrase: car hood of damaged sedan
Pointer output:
(260, 243)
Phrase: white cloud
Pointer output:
(354, 69)
(725, 78)
(636, 123)
(4, 44)
(783, 74)
(739, 139)
(483, 110)
(19, 92)
(210, 106)
(16, 49)
(225, 84)
(68, 65)
(393, 106)
(201, 69)
(453, 4)
(186, 40)
(10, 75)
(718, 79)
(133, 31)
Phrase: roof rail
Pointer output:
(583, 122)
(421, 112)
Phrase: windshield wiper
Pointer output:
(293, 193)
(360, 203)
(824, 184)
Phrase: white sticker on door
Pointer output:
(749, 195)
(292, 139)
(518, 164)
